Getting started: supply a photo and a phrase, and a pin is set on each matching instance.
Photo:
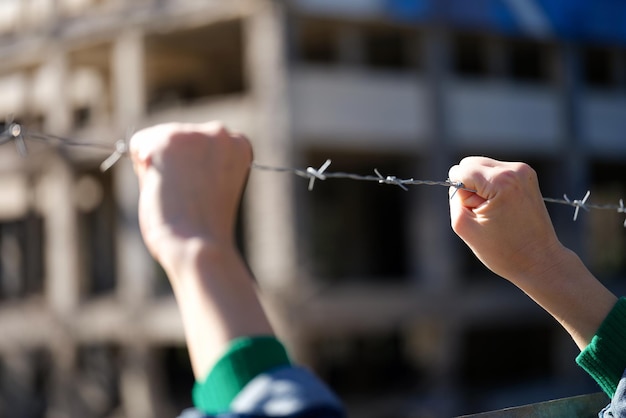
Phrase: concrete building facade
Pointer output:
(366, 283)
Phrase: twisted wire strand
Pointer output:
(16, 133)
(321, 174)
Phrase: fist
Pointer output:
(505, 222)
(191, 178)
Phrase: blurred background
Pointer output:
(366, 284)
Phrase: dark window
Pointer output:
(98, 394)
(357, 365)
(23, 379)
(528, 61)
(470, 55)
(598, 67)
(358, 229)
(317, 41)
(387, 48)
(188, 65)
(607, 238)
(97, 220)
(499, 355)
(178, 376)
(82, 117)
(21, 257)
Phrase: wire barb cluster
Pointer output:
(582, 204)
(14, 132)
(314, 174)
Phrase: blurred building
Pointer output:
(366, 283)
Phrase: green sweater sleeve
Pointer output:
(245, 359)
(605, 357)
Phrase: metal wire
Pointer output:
(320, 174)
(16, 133)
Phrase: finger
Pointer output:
(143, 143)
(214, 127)
(466, 198)
(479, 161)
(138, 155)
(471, 175)
(244, 143)
(462, 218)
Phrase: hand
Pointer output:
(191, 179)
(505, 222)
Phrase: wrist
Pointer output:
(570, 293)
(183, 258)
(548, 262)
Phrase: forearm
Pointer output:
(570, 293)
(217, 300)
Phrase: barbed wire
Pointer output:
(17, 133)
(14, 132)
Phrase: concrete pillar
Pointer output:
(62, 379)
(271, 220)
(434, 259)
(135, 266)
(140, 385)
(57, 112)
(62, 250)
(576, 168)
(63, 282)
(128, 61)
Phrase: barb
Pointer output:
(317, 174)
(16, 133)
(120, 150)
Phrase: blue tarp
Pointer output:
(579, 20)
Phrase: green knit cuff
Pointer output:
(605, 357)
(245, 359)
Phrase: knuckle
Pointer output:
(525, 171)
(467, 160)
(217, 128)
